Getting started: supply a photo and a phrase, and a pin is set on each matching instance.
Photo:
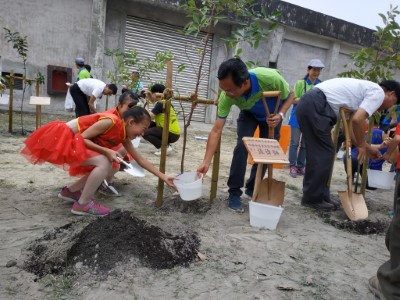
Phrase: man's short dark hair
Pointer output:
(157, 88)
(113, 88)
(236, 69)
(392, 86)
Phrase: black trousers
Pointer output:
(81, 101)
(246, 125)
(316, 119)
(153, 134)
(389, 272)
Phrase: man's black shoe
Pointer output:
(335, 203)
(322, 206)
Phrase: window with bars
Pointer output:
(18, 83)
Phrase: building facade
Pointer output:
(59, 31)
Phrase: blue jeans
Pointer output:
(297, 159)
(246, 125)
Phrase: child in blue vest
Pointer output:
(378, 139)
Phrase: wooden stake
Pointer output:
(38, 108)
(366, 161)
(168, 81)
(215, 173)
(165, 134)
(10, 104)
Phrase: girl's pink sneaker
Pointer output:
(90, 208)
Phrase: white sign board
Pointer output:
(39, 100)
(266, 151)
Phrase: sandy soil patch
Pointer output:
(305, 258)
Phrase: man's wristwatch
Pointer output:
(282, 114)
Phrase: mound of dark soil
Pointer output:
(120, 235)
(360, 227)
(47, 255)
(104, 242)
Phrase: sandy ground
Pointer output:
(304, 258)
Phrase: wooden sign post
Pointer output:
(269, 152)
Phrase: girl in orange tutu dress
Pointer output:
(84, 147)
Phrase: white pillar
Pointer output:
(97, 37)
(332, 58)
(276, 43)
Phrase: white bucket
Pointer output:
(136, 141)
(189, 185)
(264, 215)
(380, 179)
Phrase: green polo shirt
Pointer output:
(267, 80)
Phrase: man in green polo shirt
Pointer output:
(243, 88)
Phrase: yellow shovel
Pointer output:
(270, 191)
(353, 203)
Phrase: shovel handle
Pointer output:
(278, 101)
(123, 162)
(271, 94)
(348, 152)
(271, 130)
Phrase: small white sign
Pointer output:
(4, 99)
(39, 100)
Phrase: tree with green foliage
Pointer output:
(252, 25)
(382, 58)
(125, 61)
(20, 43)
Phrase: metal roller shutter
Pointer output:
(149, 37)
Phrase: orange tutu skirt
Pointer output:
(55, 143)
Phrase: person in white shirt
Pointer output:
(317, 113)
(92, 88)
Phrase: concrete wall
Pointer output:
(58, 31)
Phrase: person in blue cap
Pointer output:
(82, 71)
(297, 156)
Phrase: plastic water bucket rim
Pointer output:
(266, 205)
(176, 180)
(189, 191)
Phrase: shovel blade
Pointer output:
(353, 205)
(277, 192)
(136, 170)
